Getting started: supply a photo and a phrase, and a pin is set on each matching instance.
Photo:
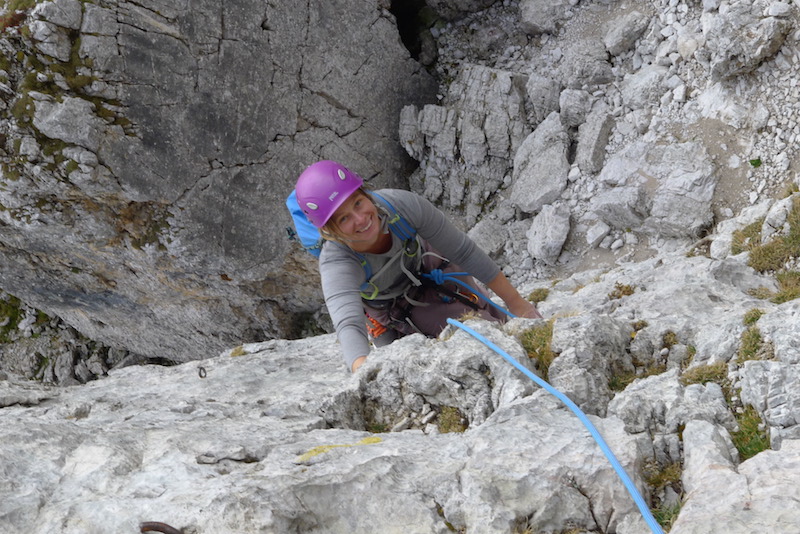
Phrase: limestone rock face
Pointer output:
(430, 435)
(276, 440)
(148, 147)
(616, 164)
(547, 233)
(469, 140)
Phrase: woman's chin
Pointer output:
(368, 238)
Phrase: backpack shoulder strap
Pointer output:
(398, 225)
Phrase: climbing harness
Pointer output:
(439, 277)
(637, 498)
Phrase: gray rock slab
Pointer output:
(758, 492)
(548, 232)
(541, 16)
(540, 166)
(257, 436)
(73, 120)
(593, 137)
(624, 32)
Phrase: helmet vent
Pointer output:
(342, 175)
(312, 206)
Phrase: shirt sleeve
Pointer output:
(435, 227)
(342, 277)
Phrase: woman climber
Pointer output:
(388, 253)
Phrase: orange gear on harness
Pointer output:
(375, 328)
(472, 297)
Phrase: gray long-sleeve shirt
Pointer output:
(342, 274)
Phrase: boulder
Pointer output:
(593, 136)
(575, 105)
(542, 16)
(543, 96)
(740, 38)
(622, 208)
(540, 166)
(548, 232)
(711, 465)
(644, 86)
(625, 31)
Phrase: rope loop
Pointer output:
(437, 276)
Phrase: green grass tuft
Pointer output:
(619, 381)
(659, 477)
(702, 374)
(18, 5)
(451, 420)
(666, 515)
(773, 256)
(789, 283)
(668, 339)
(536, 342)
(750, 346)
(539, 295)
(11, 314)
(752, 316)
(750, 439)
(620, 290)
(746, 238)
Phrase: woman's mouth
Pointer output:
(365, 228)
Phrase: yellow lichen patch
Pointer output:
(322, 449)
(238, 351)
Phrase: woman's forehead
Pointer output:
(348, 203)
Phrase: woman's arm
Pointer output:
(342, 276)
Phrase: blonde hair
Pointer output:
(331, 230)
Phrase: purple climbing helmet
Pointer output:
(323, 187)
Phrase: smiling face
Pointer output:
(356, 222)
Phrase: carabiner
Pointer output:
(372, 295)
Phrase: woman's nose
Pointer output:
(359, 215)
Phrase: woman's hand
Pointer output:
(356, 364)
(515, 302)
(523, 308)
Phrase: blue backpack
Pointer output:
(309, 237)
(306, 233)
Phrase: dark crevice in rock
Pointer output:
(409, 23)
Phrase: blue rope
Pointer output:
(643, 508)
(440, 277)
